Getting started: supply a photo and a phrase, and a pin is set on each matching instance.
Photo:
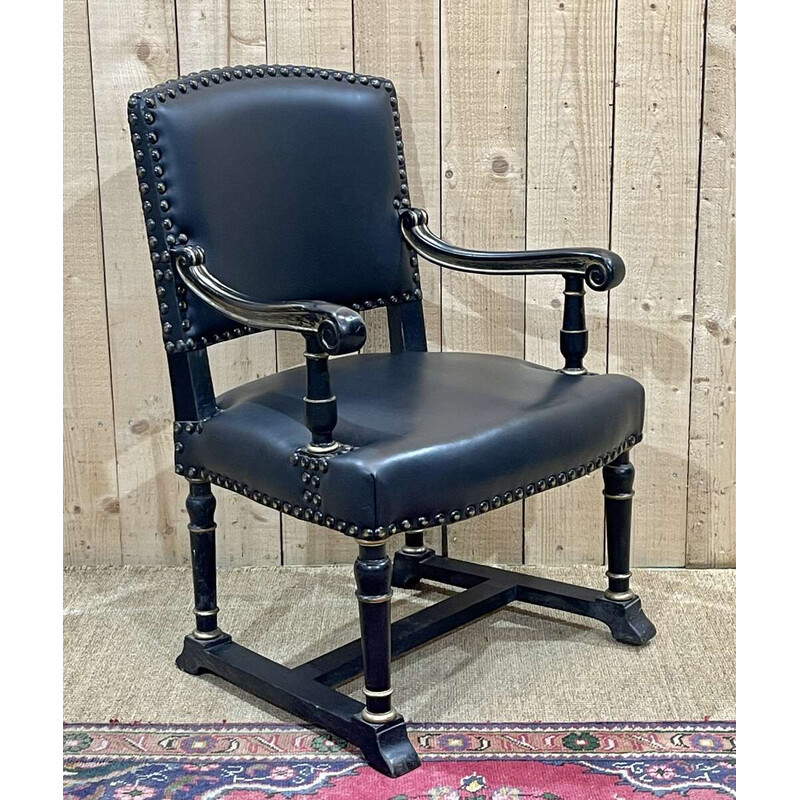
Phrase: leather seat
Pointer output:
(431, 438)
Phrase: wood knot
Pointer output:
(110, 505)
(140, 426)
(500, 165)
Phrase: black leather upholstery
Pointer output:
(288, 178)
(435, 437)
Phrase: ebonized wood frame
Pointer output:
(374, 727)
(307, 690)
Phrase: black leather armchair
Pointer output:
(277, 198)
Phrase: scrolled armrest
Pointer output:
(338, 329)
(600, 269)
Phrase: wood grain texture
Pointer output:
(134, 46)
(320, 35)
(91, 504)
(484, 99)
(216, 33)
(401, 42)
(711, 538)
(659, 51)
(570, 96)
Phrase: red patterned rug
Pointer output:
(586, 761)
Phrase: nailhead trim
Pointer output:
(321, 464)
(306, 461)
(163, 93)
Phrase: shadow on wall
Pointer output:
(144, 438)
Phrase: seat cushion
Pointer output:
(429, 438)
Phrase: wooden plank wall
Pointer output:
(602, 122)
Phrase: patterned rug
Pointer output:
(587, 761)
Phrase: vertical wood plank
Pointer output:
(711, 538)
(658, 95)
(570, 95)
(91, 502)
(134, 46)
(484, 98)
(215, 33)
(401, 42)
(315, 34)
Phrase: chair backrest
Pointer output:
(290, 178)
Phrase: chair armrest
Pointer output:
(338, 329)
(600, 269)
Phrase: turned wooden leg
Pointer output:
(618, 480)
(373, 573)
(408, 558)
(415, 544)
(202, 532)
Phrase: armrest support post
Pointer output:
(599, 269)
(320, 403)
(574, 337)
(328, 329)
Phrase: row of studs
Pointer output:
(158, 206)
(194, 81)
(351, 529)
(172, 237)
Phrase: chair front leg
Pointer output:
(618, 492)
(201, 505)
(373, 574)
